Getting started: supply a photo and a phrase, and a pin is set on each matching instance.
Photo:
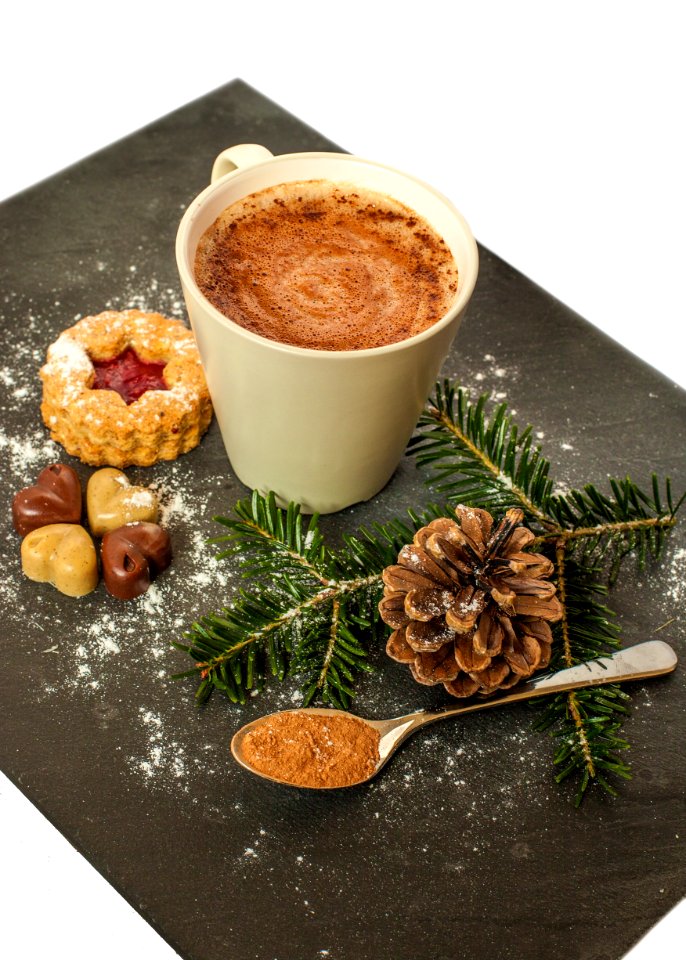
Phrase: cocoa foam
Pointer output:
(326, 266)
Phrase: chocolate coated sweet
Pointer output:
(54, 498)
(132, 556)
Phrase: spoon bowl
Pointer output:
(650, 659)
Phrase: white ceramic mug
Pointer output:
(324, 428)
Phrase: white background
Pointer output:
(557, 129)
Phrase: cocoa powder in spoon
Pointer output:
(310, 750)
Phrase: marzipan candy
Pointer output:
(62, 554)
(112, 502)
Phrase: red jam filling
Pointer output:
(128, 375)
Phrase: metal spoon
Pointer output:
(649, 659)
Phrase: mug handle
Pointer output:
(234, 158)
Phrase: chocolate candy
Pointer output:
(54, 498)
(132, 556)
(62, 554)
(112, 501)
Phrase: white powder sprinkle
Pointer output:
(675, 582)
(114, 654)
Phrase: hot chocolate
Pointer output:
(326, 266)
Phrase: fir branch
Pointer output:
(330, 663)
(491, 463)
(265, 532)
(300, 615)
(488, 463)
(585, 723)
(373, 548)
(587, 629)
(610, 526)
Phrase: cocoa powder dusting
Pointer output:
(307, 750)
(317, 265)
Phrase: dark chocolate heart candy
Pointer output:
(132, 556)
(54, 498)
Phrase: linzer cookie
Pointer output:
(124, 389)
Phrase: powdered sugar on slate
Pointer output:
(97, 648)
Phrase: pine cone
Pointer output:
(469, 607)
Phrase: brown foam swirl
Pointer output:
(327, 267)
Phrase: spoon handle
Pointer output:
(649, 659)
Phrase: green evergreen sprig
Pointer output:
(483, 462)
(492, 464)
(610, 526)
(311, 611)
(306, 613)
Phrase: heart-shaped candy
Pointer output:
(132, 556)
(62, 554)
(112, 501)
(54, 498)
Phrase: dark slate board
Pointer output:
(464, 846)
